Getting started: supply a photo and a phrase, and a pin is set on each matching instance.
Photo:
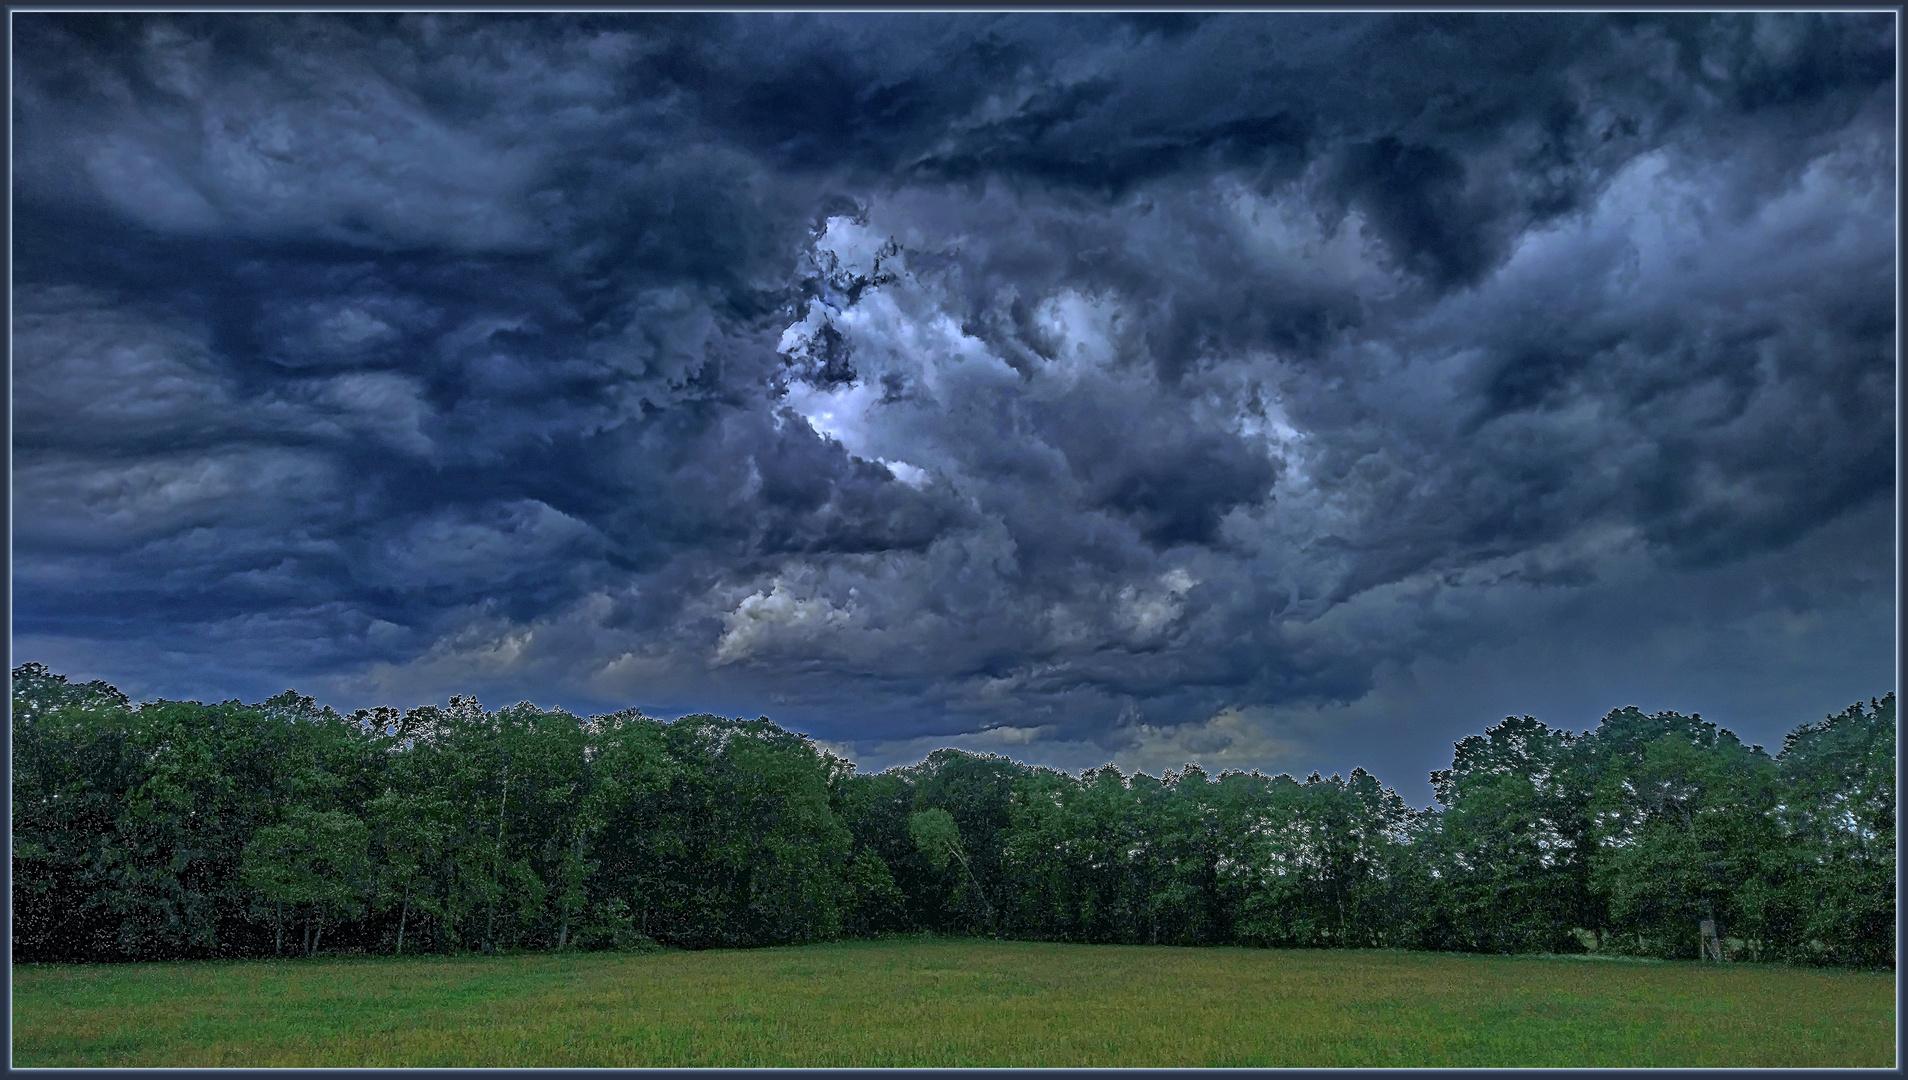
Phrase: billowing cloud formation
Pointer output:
(1086, 387)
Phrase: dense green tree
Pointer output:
(976, 790)
(720, 832)
(1685, 830)
(73, 762)
(1512, 842)
(1042, 850)
(1114, 895)
(163, 798)
(411, 826)
(875, 811)
(938, 839)
(1180, 860)
(1835, 901)
(313, 868)
(178, 829)
(1324, 865)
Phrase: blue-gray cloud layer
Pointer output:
(1136, 385)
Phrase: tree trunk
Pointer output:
(403, 915)
(576, 855)
(305, 946)
(496, 867)
(278, 930)
(986, 907)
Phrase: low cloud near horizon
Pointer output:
(1279, 391)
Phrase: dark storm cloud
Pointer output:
(1096, 383)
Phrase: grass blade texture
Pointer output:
(952, 1003)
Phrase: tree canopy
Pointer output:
(173, 829)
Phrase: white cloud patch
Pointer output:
(569, 654)
(1034, 744)
(1083, 332)
(1285, 233)
(1232, 738)
(919, 376)
(777, 616)
(1148, 612)
(912, 475)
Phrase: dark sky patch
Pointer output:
(1280, 390)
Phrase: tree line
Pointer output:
(176, 829)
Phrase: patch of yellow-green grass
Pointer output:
(952, 1003)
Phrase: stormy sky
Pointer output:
(1286, 391)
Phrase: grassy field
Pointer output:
(950, 1003)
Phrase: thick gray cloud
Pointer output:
(1276, 390)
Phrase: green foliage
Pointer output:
(1512, 844)
(937, 837)
(130, 820)
(959, 895)
(314, 867)
(1324, 867)
(875, 901)
(1684, 825)
(1835, 899)
(177, 830)
(719, 832)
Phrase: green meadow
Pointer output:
(952, 1003)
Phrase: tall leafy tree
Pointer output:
(876, 903)
(173, 829)
(1323, 866)
(411, 827)
(1836, 899)
(1043, 851)
(1512, 843)
(312, 869)
(73, 762)
(939, 840)
(976, 790)
(1685, 829)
